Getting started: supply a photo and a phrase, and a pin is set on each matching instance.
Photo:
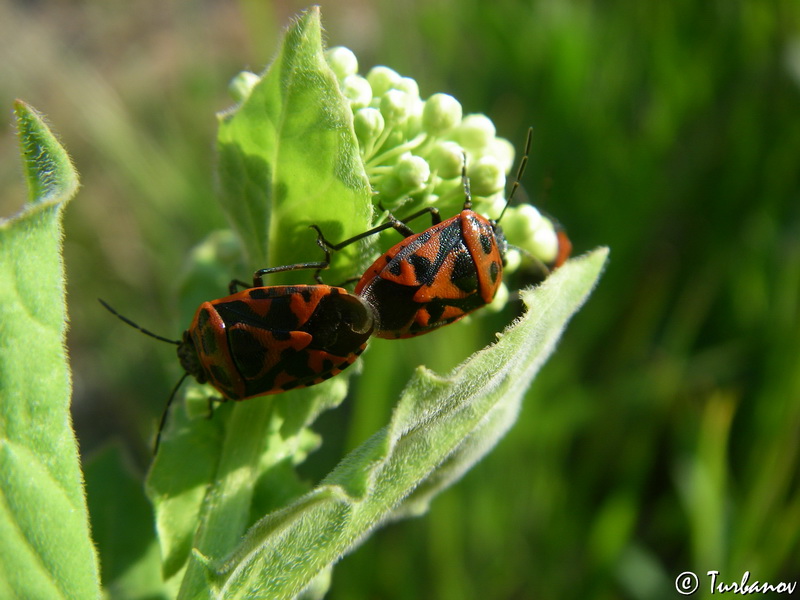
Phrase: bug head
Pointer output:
(189, 359)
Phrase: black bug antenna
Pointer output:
(127, 321)
(174, 392)
(465, 182)
(164, 414)
(520, 171)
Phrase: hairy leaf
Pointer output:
(44, 530)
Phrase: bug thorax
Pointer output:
(189, 359)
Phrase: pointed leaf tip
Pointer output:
(49, 173)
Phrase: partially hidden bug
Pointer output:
(438, 276)
(270, 339)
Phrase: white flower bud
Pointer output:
(446, 159)
(412, 171)
(441, 113)
(503, 151)
(242, 84)
(543, 244)
(382, 79)
(342, 61)
(368, 123)
(486, 176)
(395, 107)
(357, 90)
(476, 132)
(520, 226)
(407, 85)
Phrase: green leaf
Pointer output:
(212, 478)
(44, 530)
(122, 523)
(288, 157)
(440, 428)
(51, 178)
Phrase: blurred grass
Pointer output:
(664, 434)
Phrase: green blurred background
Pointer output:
(662, 436)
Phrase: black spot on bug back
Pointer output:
(259, 293)
(464, 275)
(248, 352)
(451, 243)
(394, 267)
(394, 303)
(437, 307)
(295, 364)
(494, 271)
(279, 317)
(235, 311)
(485, 232)
(222, 379)
(394, 262)
(486, 242)
(206, 336)
(424, 271)
(435, 310)
(340, 324)
(451, 237)
(203, 318)
(292, 363)
(282, 291)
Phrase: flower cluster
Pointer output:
(414, 150)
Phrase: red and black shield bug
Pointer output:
(436, 277)
(271, 339)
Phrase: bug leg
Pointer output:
(537, 271)
(348, 281)
(258, 276)
(210, 408)
(237, 283)
(330, 246)
(322, 243)
(436, 218)
(393, 222)
(399, 226)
